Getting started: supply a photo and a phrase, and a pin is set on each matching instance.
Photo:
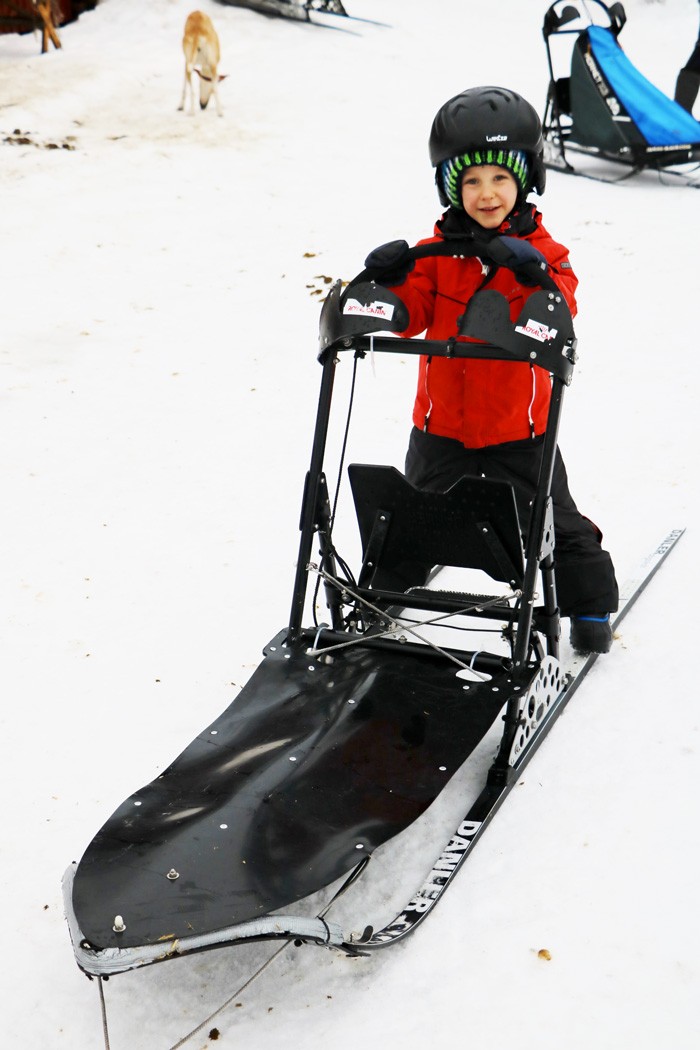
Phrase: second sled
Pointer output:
(601, 108)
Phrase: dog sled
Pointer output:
(360, 715)
(600, 106)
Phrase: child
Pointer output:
(488, 418)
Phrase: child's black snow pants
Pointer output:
(585, 574)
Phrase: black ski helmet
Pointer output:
(488, 119)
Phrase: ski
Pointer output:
(476, 820)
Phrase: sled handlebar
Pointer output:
(459, 248)
(366, 316)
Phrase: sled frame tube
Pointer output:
(315, 490)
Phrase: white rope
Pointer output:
(231, 998)
(103, 1008)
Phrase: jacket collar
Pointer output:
(457, 224)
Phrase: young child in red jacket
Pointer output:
(481, 417)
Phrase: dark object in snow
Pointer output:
(604, 107)
(26, 16)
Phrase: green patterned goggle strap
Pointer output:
(452, 170)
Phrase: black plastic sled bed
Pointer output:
(370, 700)
(600, 106)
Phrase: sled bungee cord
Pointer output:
(347, 732)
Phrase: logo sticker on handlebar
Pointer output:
(537, 330)
(358, 309)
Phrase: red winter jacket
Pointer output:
(478, 402)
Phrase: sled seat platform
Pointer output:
(319, 760)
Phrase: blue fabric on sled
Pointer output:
(661, 121)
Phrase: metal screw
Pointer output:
(172, 875)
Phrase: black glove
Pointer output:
(518, 255)
(390, 263)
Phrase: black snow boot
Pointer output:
(591, 634)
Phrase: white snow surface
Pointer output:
(161, 281)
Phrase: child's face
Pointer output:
(489, 194)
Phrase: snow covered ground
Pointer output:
(160, 278)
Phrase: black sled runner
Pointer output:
(601, 109)
(297, 11)
(310, 11)
(350, 729)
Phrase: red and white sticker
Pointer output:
(537, 330)
(383, 310)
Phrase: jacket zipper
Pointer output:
(532, 402)
(426, 419)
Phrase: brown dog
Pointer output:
(202, 53)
